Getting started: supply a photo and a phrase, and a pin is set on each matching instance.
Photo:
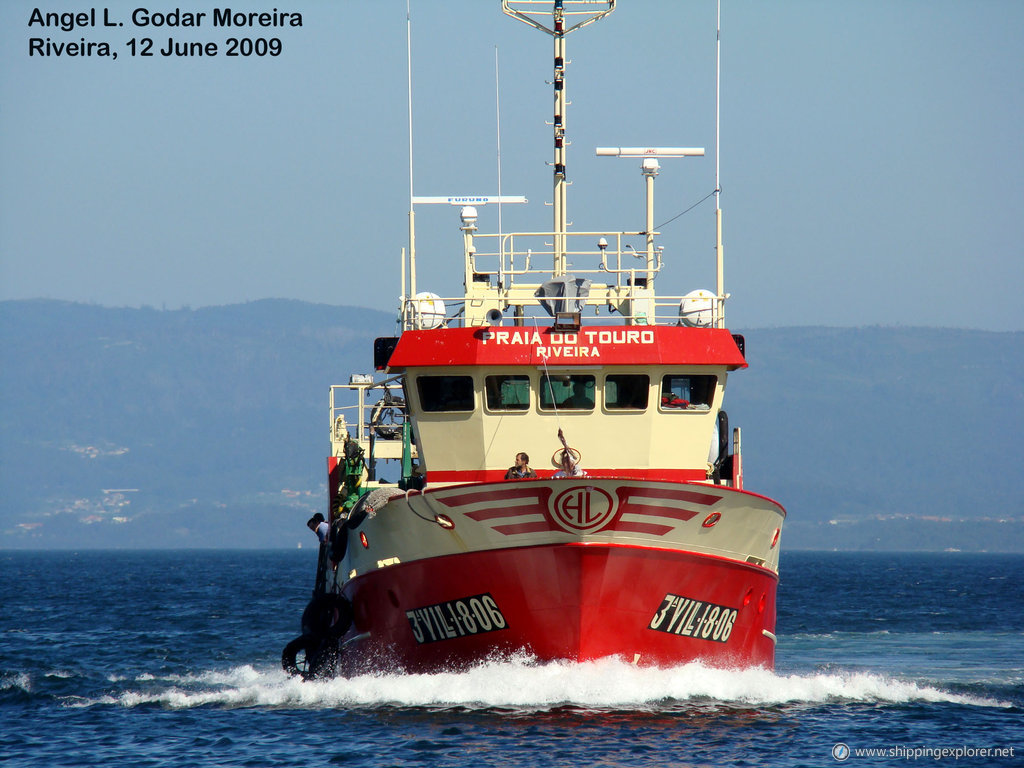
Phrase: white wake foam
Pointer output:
(522, 685)
(16, 681)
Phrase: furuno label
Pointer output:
(685, 616)
(456, 618)
(582, 509)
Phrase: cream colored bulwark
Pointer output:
(656, 438)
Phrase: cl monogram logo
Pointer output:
(583, 509)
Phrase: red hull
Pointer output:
(566, 601)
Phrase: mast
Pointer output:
(497, 132)
(412, 211)
(564, 17)
(558, 122)
(719, 248)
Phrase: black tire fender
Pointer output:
(327, 616)
(307, 645)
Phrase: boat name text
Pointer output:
(456, 618)
(583, 344)
(694, 618)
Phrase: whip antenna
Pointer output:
(719, 248)
(412, 213)
(497, 120)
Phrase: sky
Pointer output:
(871, 153)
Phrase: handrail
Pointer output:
(355, 420)
(665, 309)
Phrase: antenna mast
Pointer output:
(719, 248)
(412, 212)
(497, 123)
(564, 17)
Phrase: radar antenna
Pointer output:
(559, 19)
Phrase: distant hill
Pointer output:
(886, 438)
(208, 427)
(202, 427)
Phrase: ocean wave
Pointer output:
(19, 682)
(523, 685)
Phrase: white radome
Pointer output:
(696, 309)
(429, 310)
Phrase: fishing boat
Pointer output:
(622, 528)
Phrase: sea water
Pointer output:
(173, 659)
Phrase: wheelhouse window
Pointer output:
(569, 392)
(445, 393)
(687, 392)
(507, 393)
(626, 392)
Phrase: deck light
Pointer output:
(566, 321)
(711, 519)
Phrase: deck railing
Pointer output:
(609, 277)
(375, 419)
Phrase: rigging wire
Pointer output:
(554, 407)
(710, 194)
(547, 376)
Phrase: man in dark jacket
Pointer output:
(521, 469)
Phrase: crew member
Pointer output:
(521, 469)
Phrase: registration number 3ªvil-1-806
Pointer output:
(694, 618)
(456, 618)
